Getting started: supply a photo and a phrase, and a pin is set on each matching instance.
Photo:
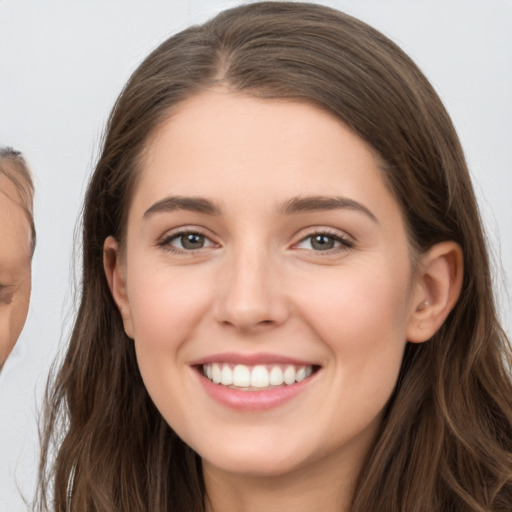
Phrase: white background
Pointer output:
(62, 64)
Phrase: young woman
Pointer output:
(286, 300)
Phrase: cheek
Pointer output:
(19, 316)
(166, 306)
(12, 320)
(361, 315)
(361, 301)
(4, 333)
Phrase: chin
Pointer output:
(256, 459)
(263, 467)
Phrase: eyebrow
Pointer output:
(192, 204)
(299, 204)
(306, 204)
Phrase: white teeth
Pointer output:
(216, 373)
(301, 374)
(241, 376)
(259, 376)
(289, 375)
(227, 375)
(276, 376)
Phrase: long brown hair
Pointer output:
(445, 443)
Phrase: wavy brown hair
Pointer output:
(445, 442)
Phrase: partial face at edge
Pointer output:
(15, 267)
(261, 234)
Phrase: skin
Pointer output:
(258, 285)
(15, 273)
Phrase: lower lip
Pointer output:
(253, 400)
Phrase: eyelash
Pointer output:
(166, 242)
(343, 242)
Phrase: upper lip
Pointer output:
(251, 359)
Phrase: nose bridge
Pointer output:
(251, 293)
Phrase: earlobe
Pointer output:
(437, 290)
(116, 277)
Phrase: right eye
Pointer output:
(186, 241)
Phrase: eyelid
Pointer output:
(345, 240)
(165, 240)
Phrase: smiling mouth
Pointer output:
(257, 377)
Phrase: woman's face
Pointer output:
(264, 250)
(15, 257)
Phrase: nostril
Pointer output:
(247, 325)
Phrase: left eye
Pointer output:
(188, 241)
(322, 242)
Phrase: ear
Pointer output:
(436, 290)
(116, 276)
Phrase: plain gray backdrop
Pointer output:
(62, 64)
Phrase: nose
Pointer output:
(252, 293)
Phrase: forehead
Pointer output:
(218, 139)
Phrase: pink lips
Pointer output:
(258, 400)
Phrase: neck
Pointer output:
(327, 486)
